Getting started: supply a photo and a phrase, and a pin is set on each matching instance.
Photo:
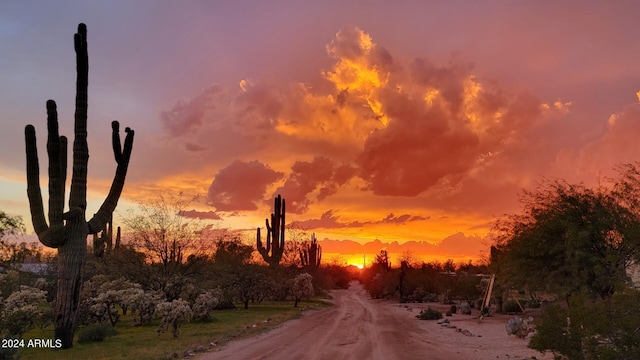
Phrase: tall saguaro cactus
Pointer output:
(311, 253)
(68, 231)
(272, 253)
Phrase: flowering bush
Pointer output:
(104, 305)
(143, 302)
(170, 315)
(23, 309)
(301, 287)
(206, 302)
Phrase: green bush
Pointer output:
(511, 306)
(95, 333)
(591, 328)
(429, 314)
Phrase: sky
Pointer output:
(407, 126)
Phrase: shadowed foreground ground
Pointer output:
(361, 328)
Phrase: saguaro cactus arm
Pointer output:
(122, 156)
(53, 235)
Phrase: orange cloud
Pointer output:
(384, 127)
(444, 138)
(362, 67)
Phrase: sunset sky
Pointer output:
(404, 125)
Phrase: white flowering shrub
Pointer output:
(23, 310)
(301, 287)
(104, 306)
(142, 302)
(171, 313)
(40, 283)
(205, 302)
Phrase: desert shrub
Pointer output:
(453, 309)
(171, 313)
(23, 310)
(465, 308)
(95, 333)
(518, 327)
(143, 302)
(204, 303)
(591, 329)
(429, 314)
(552, 334)
(301, 287)
(510, 306)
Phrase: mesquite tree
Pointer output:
(68, 231)
(272, 253)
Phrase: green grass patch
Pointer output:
(142, 342)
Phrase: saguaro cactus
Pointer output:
(103, 242)
(311, 253)
(68, 231)
(272, 253)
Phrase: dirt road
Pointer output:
(361, 328)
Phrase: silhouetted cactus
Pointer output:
(272, 253)
(311, 253)
(103, 242)
(67, 231)
(117, 244)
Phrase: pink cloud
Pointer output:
(306, 177)
(241, 185)
(193, 147)
(456, 245)
(617, 144)
(186, 115)
(330, 221)
(194, 214)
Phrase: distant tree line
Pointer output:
(424, 282)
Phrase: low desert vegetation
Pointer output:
(156, 295)
(568, 251)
